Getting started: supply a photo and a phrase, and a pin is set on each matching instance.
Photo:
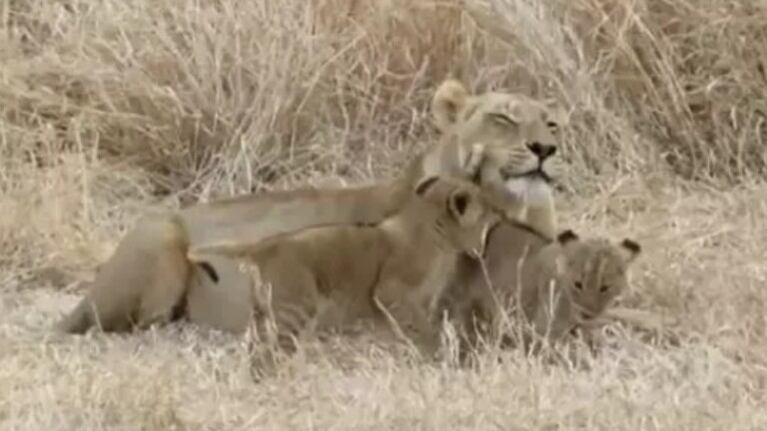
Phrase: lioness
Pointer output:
(503, 142)
(557, 284)
(330, 277)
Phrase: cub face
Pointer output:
(593, 272)
(464, 215)
(513, 138)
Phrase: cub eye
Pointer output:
(579, 285)
(502, 119)
(604, 288)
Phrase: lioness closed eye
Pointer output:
(330, 277)
(559, 284)
(503, 142)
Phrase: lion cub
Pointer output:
(556, 284)
(332, 276)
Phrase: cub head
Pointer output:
(594, 271)
(459, 212)
(507, 142)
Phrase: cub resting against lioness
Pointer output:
(503, 142)
(558, 284)
(328, 278)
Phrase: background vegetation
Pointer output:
(110, 108)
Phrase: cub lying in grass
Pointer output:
(557, 284)
(330, 277)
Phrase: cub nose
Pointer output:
(543, 151)
(586, 316)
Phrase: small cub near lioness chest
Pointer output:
(558, 285)
(333, 276)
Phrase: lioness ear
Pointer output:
(458, 203)
(631, 249)
(425, 184)
(567, 236)
(449, 100)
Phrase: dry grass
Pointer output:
(109, 108)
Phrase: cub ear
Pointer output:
(449, 100)
(631, 249)
(424, 184)
(458, 203)
(567, 236)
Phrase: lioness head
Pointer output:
(463, 216)
(511, 138)
(593, 271)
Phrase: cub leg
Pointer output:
(406, 314)
(283, 309)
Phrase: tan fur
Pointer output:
(328, 278)
(540, 277)
(489, 138)
(139, 269)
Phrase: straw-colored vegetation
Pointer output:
(110, 108)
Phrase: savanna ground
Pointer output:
(109, 109)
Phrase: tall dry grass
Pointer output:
(184, 100)
(193, 91)
(110, 108)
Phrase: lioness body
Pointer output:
(503, 142)
(557, 284)
(330, 277)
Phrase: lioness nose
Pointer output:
(543, 151)
(586, 316)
